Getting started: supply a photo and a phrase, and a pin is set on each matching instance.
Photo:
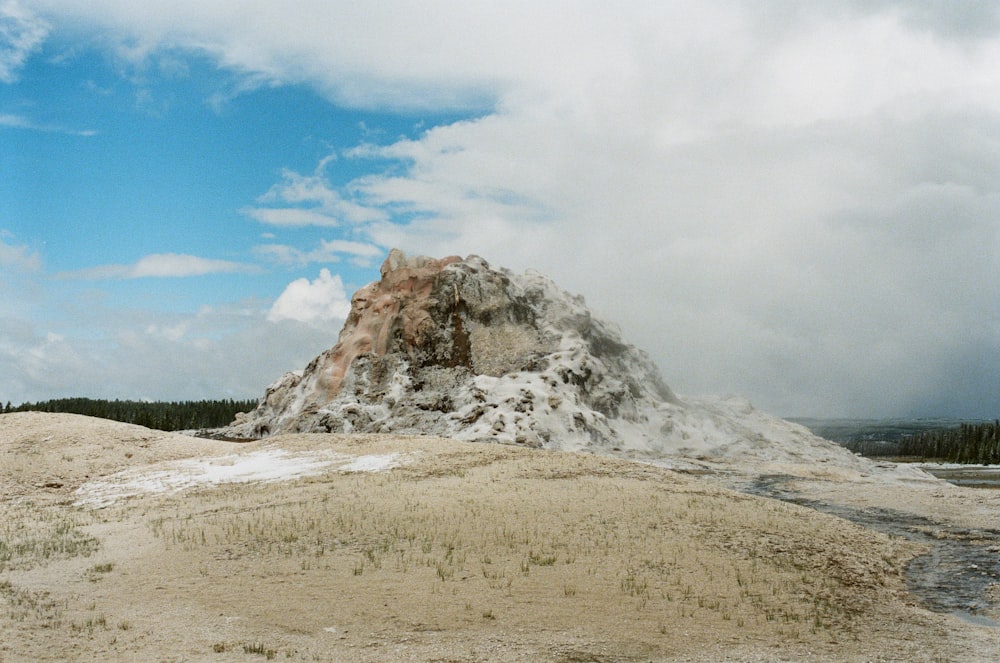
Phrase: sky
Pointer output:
(793, 202)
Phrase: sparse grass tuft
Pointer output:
(24, 604)
(260, 648)
(97, 571)
(32, 537)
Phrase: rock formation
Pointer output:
(457, 348)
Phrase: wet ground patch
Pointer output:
(956, 574)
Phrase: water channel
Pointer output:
(969, 476)
(953, 577)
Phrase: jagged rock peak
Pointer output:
(455, 347)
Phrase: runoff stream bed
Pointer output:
(957, 573)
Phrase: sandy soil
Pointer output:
(118, 543)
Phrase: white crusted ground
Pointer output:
(261, 465)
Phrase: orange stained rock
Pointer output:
(398, 302)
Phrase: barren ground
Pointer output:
(118, 543)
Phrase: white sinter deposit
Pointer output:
(456, 348)
(261, 465)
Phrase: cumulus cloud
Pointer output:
(160, 265)
(319, 301)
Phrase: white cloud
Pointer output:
(160, 265)
(163, 357)
(20, 268)
(296, 188)
(313, 203)
(14, 121)
(21, 33)
(18, 258)
(697, 63)
(283, 254)
(321, 300)
(172, 265)
(170, 332)
(360, 254)
(28, 358)
(21, 122)
(356, 249)
(290, 216)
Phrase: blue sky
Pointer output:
(105, 168)
(794, 203)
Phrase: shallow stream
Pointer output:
(952, 577)
(969, 476)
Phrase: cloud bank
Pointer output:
(795, 202)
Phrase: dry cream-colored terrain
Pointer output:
(118, 543)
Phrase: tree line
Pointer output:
(161, 415)
(969, 443)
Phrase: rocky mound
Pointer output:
(457, 348)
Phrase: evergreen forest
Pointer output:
(968, 443)
(161, 415)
